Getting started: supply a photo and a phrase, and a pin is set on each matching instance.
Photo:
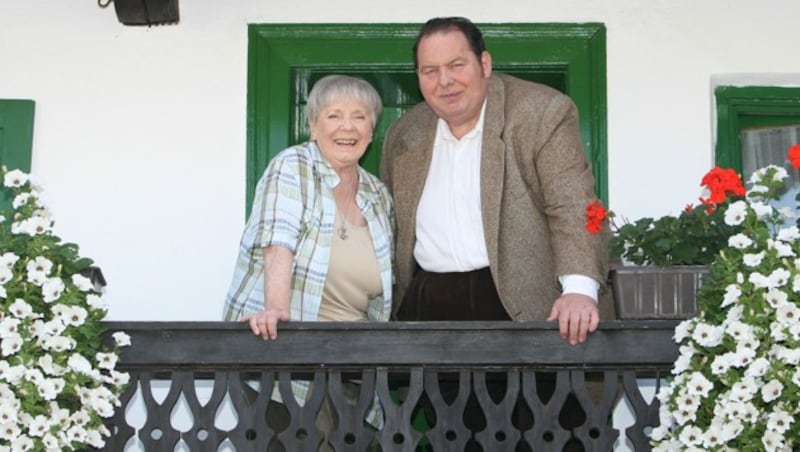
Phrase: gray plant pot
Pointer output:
(644, 292)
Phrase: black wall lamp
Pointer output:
(144, 12)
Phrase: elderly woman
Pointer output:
(318, 243)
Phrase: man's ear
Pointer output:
(486, 64)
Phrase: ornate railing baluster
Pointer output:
(499, 434)
(449, 433)
(596, 433)
(350, 433)
(251, 432)
(547, 433)
(397, 433)
(203, 435)
(646, 414)
(158, 434)
(302, 434)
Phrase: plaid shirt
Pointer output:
(294, 208)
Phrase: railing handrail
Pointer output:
(618, 344)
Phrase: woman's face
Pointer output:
(343, 130)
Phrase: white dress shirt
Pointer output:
(449, 227)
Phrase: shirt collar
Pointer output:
(443, 130)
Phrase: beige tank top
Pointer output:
(353, 275)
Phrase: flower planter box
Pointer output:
(642, 292)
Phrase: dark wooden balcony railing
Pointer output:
(415, 357)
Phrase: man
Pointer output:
(490, 185)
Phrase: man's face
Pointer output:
(452, 79)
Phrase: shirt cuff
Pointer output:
(581, 284)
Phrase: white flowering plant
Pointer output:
(57, 381)
(736, 382)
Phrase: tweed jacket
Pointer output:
(535, 185)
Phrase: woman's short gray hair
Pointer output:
(337, 87)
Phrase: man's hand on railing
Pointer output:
(577, 316)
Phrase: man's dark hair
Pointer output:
(444, 24)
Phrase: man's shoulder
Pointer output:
(416, 116)
(523, 98)
(516, 88)
(513, 82)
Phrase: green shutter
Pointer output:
(16, 137)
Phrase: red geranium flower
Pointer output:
(721, 182)
(794, 155)
(595, 216)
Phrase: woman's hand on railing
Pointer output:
(265, 323)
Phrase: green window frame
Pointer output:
(285, 59)
(742, 107)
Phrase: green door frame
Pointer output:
(277, 53)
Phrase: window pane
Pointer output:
(769, 146)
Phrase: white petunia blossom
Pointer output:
(79, 364)
(736, 213)
(95, 301)
(11, 344)
(732, 294)
(76, 316)
(789, 234)
(772, 390)
(692, 436)
(779, 277)
(776, 298)
(699, 385)
(721, 364)
(40, 264)
(707, 335)
(121, 338)
(106, 360)
(52, 288)
(39, 426)
(782, 249)
(754, 259)
(8, 259)
(787, 314)
(772, 441)
(758, 368)
(21, 309)
(779, 421)
(761, 209)
(82, 283)
(9, 326)
(758, 280)
(739, 241)
(15, 178)
(22, 199)
(5, 275)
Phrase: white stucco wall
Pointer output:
(140, 132)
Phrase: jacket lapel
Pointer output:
(411, 171)
(492, 166)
